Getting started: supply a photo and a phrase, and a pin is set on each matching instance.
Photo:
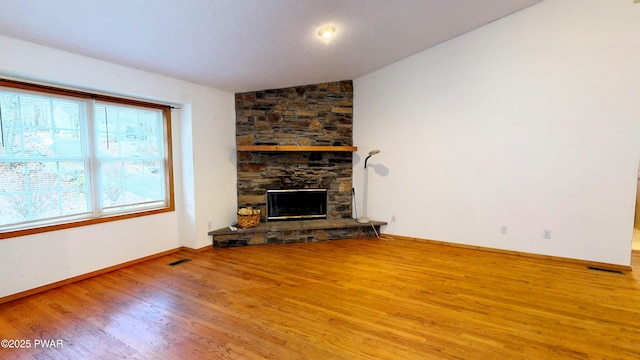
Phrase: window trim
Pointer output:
(166, 110)
(78, 93)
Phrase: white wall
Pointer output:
(532, 122)
(203, 136)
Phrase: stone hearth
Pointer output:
(280, 232)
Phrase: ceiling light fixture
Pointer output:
(326, 31)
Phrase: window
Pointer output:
(69, 158)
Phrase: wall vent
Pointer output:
(605, 270)
(178, 262)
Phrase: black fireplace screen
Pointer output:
(296, 204)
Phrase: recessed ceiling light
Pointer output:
(326, 31)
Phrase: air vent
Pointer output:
(605, 270)
(178, 262)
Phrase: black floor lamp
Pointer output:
(365, 189)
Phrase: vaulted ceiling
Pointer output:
(245, 45)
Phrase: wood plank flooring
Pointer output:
(350, 299)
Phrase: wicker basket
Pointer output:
(248, 218)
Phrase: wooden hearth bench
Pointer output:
(278, 232)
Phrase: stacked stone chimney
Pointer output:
(312, 115)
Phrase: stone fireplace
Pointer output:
(296, 139)
(314, 117)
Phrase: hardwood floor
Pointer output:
(352, 299)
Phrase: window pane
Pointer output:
(129, 132)
(130, 145)
(11, 141)
(131, 182)
(42, 162)
(73, 188)
(40, 127)
(32, 191)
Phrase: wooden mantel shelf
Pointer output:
(278, 148)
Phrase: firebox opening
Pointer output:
(295, 204)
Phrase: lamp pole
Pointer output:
(365, 188)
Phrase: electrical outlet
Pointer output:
(504, 230)
(546, 233)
